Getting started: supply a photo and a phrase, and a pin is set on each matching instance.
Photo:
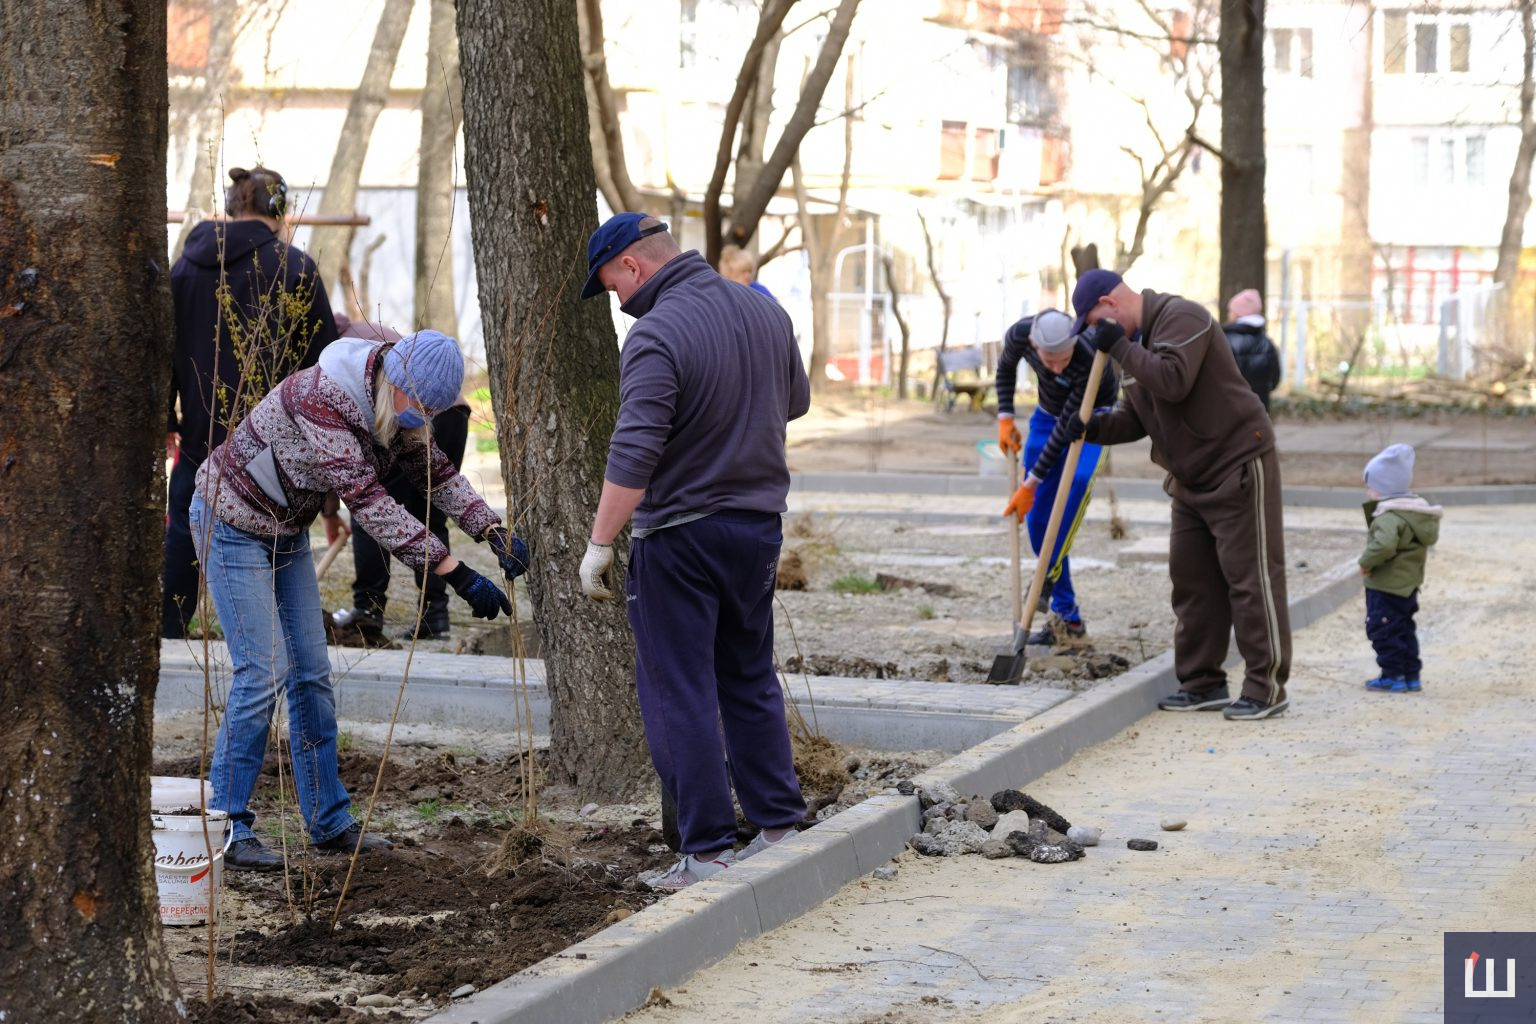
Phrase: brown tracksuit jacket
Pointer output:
(1182, 388)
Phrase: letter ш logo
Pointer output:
(1489, 990)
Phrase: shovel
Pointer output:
(1008, 669)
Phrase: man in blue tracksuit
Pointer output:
(709, 377)
(1061, 362)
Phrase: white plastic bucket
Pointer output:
(186, 879)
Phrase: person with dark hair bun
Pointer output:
(250, 310)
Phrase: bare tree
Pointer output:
(752, 201)
(946, 303)
(1183, 45)
(441, 112)
(1243, 229)
(603, 115)
(553, 361)
(84, 338)
(821, 247)
(207, 124)
(340, 196)
(1520, 177)
(904, 361)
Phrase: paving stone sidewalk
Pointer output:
(1326, 851)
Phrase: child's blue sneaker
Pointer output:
(1413, 685)
(1387, 684)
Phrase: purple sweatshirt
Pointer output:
(708, 378)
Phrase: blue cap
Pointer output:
(428, 367)
(1091, 287)
(616, 234)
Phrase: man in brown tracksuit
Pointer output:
(1226, 553)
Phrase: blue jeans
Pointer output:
(1058, 579)
(268, 601)
(1390, 627)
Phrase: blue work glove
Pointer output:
(511, 552)
(484, 598)
(1104, 334)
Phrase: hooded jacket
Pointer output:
(276, 320)
(1257, 358)
(313, 434)
(1401, 532)
(1182, 389)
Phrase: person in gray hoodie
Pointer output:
(1403, 526)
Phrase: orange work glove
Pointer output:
(1021, 502)
(1008, 436)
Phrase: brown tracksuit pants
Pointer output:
(1226, 557)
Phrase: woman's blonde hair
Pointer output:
(386, 422)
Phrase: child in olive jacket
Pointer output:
(1402, 527)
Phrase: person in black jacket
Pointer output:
(1062, 362)
(250, 310)
(1257, 358)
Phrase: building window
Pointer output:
(688, 33)
(1425, 44)
(1476, 164)
(1461, 46)
(952, 151)
(1418, 160)
(988, 150)
(1394, 42)
(1292, 49)
(1448, 160)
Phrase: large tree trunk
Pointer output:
(85, 342)
(1243, 231)
(441, 112)
(554, 364)
(1520, 178)
(340, 196)
(208, 119)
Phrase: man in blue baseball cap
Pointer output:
(709, 376)
(617, 233)
(1226, 552)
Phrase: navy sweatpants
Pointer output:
(1390, 627)
(700, 602)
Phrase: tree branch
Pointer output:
(768, 24)
(745, 215)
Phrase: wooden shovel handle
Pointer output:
(330, 554)
(1063, 488)
(1015, 553)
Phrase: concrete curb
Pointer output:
(1130, 489)
(614, 971)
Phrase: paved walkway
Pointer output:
(1326, 852)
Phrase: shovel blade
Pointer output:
(1007, 670)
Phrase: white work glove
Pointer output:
(594, 571)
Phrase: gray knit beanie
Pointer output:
(1052, 331)
(1390, 474)
(427, 366)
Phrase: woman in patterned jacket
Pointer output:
(338, 427)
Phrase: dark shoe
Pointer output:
(250, 855)
(359, 627)
(1246, 709)
(433, 624)
(345, 841)
(1212, 698)
(1057, 631)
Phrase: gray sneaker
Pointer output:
(688, 870)
(761, 842)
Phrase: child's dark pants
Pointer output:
(1389, 625)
